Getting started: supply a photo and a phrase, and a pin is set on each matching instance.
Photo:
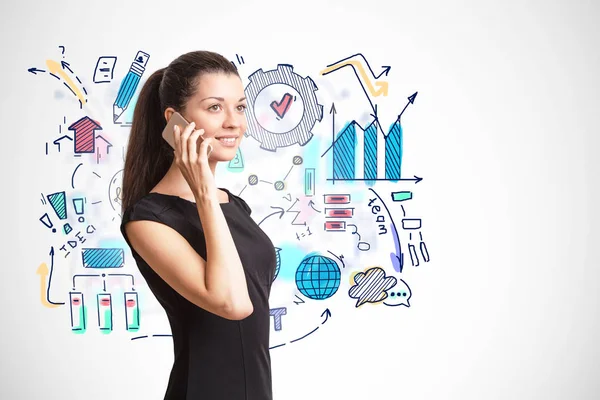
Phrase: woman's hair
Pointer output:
(149, 156)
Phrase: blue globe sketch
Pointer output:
(318, 277)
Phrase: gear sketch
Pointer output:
(282, 107)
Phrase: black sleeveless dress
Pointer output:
(215, 358)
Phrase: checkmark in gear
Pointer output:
(283, 106)
(289, 133)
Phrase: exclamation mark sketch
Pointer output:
(79, 209)
(45, 219)
(58, 202)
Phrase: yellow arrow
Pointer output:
(42, 271)
(56, 69)
(382, 85)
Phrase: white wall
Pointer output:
(502, 132)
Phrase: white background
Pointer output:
(503, 131)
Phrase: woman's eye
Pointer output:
(216, 107)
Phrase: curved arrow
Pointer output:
(280, 212)
(327, 315)
(311, 204)
(43, 272)
(58, 70)
(382, 87)
(395, 231)
(386, 68)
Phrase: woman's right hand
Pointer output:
(192, 160)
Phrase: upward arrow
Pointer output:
(43, 272)
(327, 314)
(411, 100)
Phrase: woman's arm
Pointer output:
(218, 282)
(219, 285)
(224, 276)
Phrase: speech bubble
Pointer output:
(371, 286)
(399, 295)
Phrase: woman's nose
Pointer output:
(233, 120)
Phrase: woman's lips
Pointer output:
(227, 141)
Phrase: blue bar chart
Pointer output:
(345, 149)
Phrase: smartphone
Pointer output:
(168, 134)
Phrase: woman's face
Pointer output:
(218, 107)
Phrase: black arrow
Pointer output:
(327, 315)
(34, 70)
(65, 65)
(416, 179)
(50, 277)
(411, 100)
(280, 212)
(311, 204)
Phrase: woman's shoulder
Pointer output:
(241, 202)
(149, 206)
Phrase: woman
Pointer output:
(205, 259)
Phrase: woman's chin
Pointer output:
(227, 154)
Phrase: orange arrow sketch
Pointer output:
(56, 69)
(382, 86)
(43, 271)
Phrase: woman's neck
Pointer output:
(174, 183)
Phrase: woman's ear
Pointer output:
(168, 112)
